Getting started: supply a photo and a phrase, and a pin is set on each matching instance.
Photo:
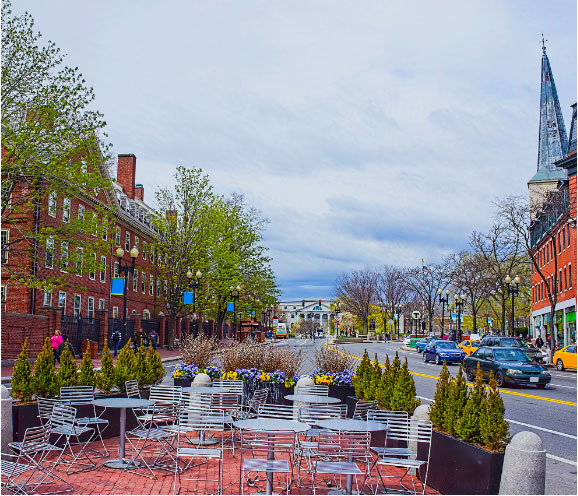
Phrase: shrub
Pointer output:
(87, 375)
(362, 377)
(404, 394)
(125, 367)
(456, 402)
(22, 376)
(374, 380)
(437, 409)
(106, 377)
(198, 350)
(468, 425)
(67, 373)
(142, 373)
(155, 366)
(44, 378)
(493, 426)
(384, 390)
(333, 359)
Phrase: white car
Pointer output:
(407, 341)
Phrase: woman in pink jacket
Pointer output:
(55, 343)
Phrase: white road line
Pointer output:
(560, 459)
(560, 385)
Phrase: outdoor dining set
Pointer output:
(308, 445)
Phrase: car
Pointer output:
(443, 351)
(407, 341)
(420, 345)
(468, 346)
(507, 341)
(508, 365)
(565, 358)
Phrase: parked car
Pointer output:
(407, 341)
(468, 346)
(565, 358)
(420, 345)
(506, 341)
(508, 366)
(443, 351)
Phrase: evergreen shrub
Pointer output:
(44, 379)
(105, 379)
(125, 369)
(87, 376)
(67, 372)
(22, 387)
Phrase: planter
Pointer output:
(457, 467)
(277, 392)
(350, 401)
(341, 392)
(182, 382)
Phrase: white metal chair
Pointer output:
(416, 431)
(132, 390)
(316, 389)
(166, 395)
(250, 410)
(45, 406)
(287, 412)
(11, 471)
(84, 395)
(396, 422)
(362, 407)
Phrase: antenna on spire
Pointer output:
(543, 44)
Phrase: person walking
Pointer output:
(386, 337)
(55, 342)
(154, 339)
(539, 341)
(116, 338)
(65, 344)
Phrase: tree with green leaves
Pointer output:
(437, 408)
(154, 366)
(404, 393)
(142, 372)
(22, 387)
(44, 376)
(87, 376)
(456, 402)
(106, 378)
(52, 149)
(362, 377)
(67, 372)
(468, 426)
(494, 427)
(125, 368)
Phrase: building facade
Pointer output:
(320, 310)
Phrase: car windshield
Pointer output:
(510, 356)
(446, 344)
(511, 342)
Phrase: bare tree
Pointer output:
(391, 290)
(356, 290)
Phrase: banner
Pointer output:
(117, 288)
(188, 297)
(230, 306)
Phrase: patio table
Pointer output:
(312, 398)
(273, 425)
(122, 404)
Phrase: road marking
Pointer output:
(560, 459)
(560, 385)
(558, 433)
(513, 393)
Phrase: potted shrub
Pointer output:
(469, 437)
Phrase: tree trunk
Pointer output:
(172, 328)
(503, 314)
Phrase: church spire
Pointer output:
(553, 142)
(572, 140)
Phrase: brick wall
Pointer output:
(16, 327)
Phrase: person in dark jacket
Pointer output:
(65, 344)
(116, 339)
(539, 342)
(154, 339)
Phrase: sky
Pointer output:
(367, 132)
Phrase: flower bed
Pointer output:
(344, 378)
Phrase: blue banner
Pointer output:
(117, 288)
(230, 306)
(188, 297)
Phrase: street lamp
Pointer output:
(513, 287)
(459, 301)
(126, 269)
(235, 292)
(398, 309)
(337, 311)
(443, 301)
(194, 285)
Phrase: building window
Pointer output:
(135, 281)
(146, 315)
(152, 254)
(64, 256)
(101, 303)
(62, 300)
(80, 212)
(104, 232)
(3, 294)
(115, 269)
(127, 241)
(90, 314)
(77, 303)
(137, 242)
(92, 271)
(66, 210)
(47, 298)
(158, 287)
(5, 239)
(565, 279)
(559, 244)
(117, 236)
(561, 288)
(564, 238)
(103, 269)
(570, 276)
(568, 236)
(151, 285)
(143, 282)
(52, 204)
(144, 250)
(115, 312)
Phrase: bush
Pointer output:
(199, 350)
(404, 394)
(142, 372)
(155, 366)
(44, 379)
(374, 380)
(493, 425)
(333, 359)
(468, 425)
(106, 378)
(125, 369)
(456, 402)
(87, 375)
(385, 389)
(22, 376)
(362, 378)
(437, 409)
(67, 373)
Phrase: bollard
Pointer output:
(420, 413)
(201, 380)
(524, 470)
(6, 412)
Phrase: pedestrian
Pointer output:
(138, 339)
(539, 341)
(55, 342)
(116, 338)
(65, 344)
(154, 339)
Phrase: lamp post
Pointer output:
(125, 269)
(235, 292)
(443, 301)
(459, 301)
(337, 312)
(513, 287)
(398, 309)
(194, 283)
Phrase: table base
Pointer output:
(121, 463)
(203, 442)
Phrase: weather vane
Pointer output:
(543, 43)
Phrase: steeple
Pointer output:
(572, 141)
(553, 143)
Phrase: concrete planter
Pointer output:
(457, 467)
(341, 392)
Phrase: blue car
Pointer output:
(420, 345)
(440, 351)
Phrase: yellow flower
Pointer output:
(177, 374)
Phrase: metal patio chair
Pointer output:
(362, 407)
(167, 395)
(316, 389)
(251, 408)
(132, 390)
(45, 406)
(232, 386)
(287, 412)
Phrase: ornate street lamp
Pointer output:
(126, 269)
(443, 301)
(513, 287)
(337, 311)
(235, 292)
(194, 283)
(459, 301)
(398, 309)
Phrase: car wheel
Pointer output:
(438, 361)
(424, 358)
(499, 379)
(540, 386)
(470, 375)
(560, 365)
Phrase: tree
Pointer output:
(22, 376)
(44, 376)
(67, 373)
(124, 369)
(155, 366)
(87, 376)
(494, 427)
(456, 402)
(106, 377)
(437, 408)
(391, 290)
(362, 377)
(356, 290)
(51, 148)
(142, 372)
(468, 424)
(404, 393)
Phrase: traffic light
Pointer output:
(303, 302)
(319, 302)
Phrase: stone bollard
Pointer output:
(420, 413)
(6, 412)
(524, 469)
(201, 380)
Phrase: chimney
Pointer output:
(126, 172)
(139, 192)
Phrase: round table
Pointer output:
(122, 404)
(205, 390)
(273, 425)
(312, 398)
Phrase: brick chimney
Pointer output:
(126, 172)
(139, 191)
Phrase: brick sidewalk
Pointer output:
(103, 480)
